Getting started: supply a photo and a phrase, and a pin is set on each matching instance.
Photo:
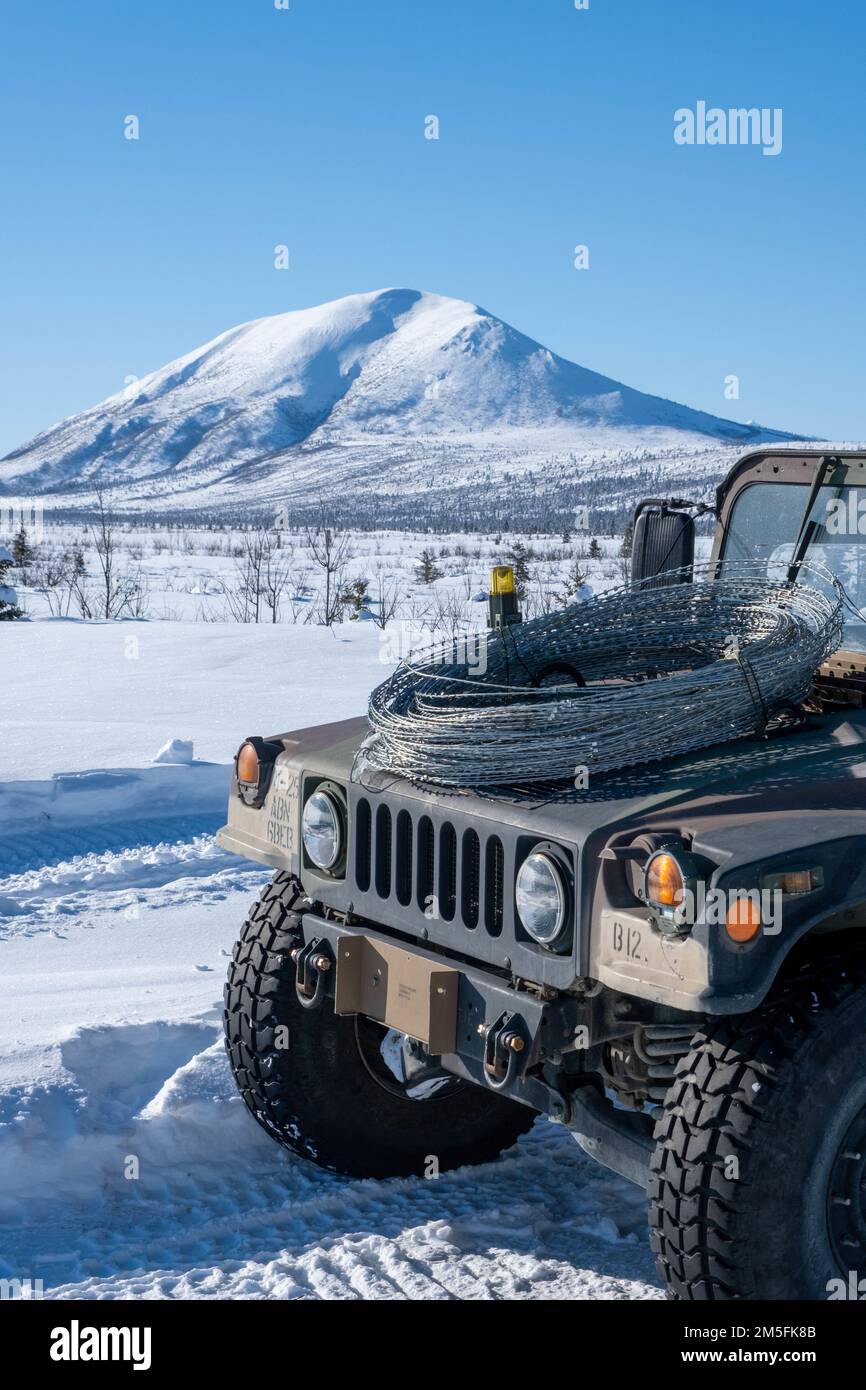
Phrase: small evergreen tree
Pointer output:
(519, 557)
(355, 596)
(23, 553)
(573, 583)
(427, 570)
(594, 549)
(627, 541)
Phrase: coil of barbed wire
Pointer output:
(640, 673)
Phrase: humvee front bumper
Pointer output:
(491, 1033)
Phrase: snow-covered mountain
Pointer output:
(382, 394)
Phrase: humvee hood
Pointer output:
(750, 785)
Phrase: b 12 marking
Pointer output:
(626, 942)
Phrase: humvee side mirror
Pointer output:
(663, 540)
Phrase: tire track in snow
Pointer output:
(132, 872)
(221, 1212)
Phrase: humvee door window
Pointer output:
(764, 525)
(765, 519)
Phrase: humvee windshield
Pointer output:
(765, 521)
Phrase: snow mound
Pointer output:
(176, 750)
(107, 795)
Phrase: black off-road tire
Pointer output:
(316, 1095)
(757, 1177)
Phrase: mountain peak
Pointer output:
(399, 372)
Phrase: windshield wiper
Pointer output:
(806, 533)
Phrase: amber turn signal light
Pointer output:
(248, 764)
(743, 920)
(794, 883)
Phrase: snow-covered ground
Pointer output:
(203, 575)
(128, 1166)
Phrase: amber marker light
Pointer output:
(743, 920)
(664, 884)
(248, 764)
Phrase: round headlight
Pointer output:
(322, 830)
(540, 897)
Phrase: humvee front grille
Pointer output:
(403, 865)
(457, 877)
(495, 877)
(426, 859)
(363, 844)
(382, 854)
(471, 877)
(447, 871)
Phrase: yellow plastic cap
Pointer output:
(502, 580)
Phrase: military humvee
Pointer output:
(717, 1060)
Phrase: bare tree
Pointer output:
(267, 574)
(276, 575)
(56, 576)
(447, 615)
(386, 598)
(299, 592)
(104, 539)
(114, 591)
(470, 584)
(244, 597)
(332, 552)
(541, 598)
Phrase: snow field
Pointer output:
(129, 1167)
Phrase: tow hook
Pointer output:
(504, 1045)
(312, 966)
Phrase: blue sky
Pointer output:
(305, 126)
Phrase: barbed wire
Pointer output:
(637, 674)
